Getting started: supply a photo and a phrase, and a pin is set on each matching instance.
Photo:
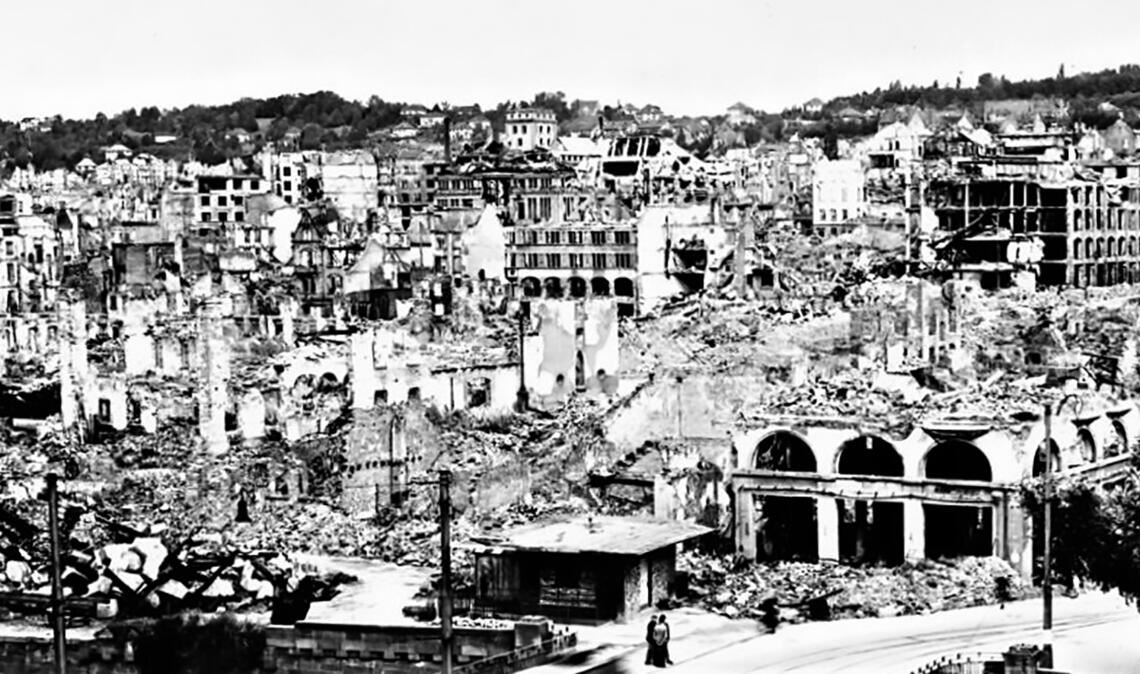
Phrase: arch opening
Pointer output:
(870, 531)
(1087, 445)
(600, 286)
(786, 526)
(1118, 441)
(553, 287)
(953, 530)
(531, 287)
(577, 287)
(1039, 458)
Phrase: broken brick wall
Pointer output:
(699, 406)
(384, 448)
(503, 484)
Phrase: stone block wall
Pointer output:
(28, 655)
(318, 648)
(662, 566)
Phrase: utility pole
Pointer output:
(445, 570)
(1047, 570)
(57, 607)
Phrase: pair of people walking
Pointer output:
(657, 636)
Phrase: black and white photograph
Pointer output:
(591, 337)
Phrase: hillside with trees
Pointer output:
(206, 132)
(1084, 92)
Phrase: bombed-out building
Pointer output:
(853, 490)
(1006, 231)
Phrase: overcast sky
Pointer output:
(694, 57)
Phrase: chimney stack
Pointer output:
(447, 140)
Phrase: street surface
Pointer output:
(1093, 634)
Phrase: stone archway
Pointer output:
(600, 286)
(786, 526)
(952, 530)
(1118, 441)
(1039, 459)
(577, 287)
(870, 531)
(531, 287)
(1087, 445)
(552, 288)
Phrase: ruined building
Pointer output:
(1002, 231)
(851, 490)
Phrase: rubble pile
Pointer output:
(141, 571)
(851, 592)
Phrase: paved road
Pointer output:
(1093, 634)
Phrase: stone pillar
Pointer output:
(997, 526)
(73, 362)
(138, 348)
(745, 523)
(213, 378)
(914, 531)
(664, 506)
(827, 519)
(288, 309)
(362, 369)
(1020, 532)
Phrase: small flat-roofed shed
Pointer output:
(583, 569)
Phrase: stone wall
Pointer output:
(319, 648)
(28, 655)
(631, 590)
(662, 566)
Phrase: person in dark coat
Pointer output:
(661, 643)
(649, 640)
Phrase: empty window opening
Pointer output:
(479, 392)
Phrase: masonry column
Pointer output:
(827, 523)
(73, 362)
(214, 376)
(362, 370)
(138, 348)
(914, 530)
(288, 310)
(745, 515)
(997, 525)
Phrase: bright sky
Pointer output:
(695, 57)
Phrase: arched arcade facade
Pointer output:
(945, 490)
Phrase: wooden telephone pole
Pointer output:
(446, 639)
(57, 606)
